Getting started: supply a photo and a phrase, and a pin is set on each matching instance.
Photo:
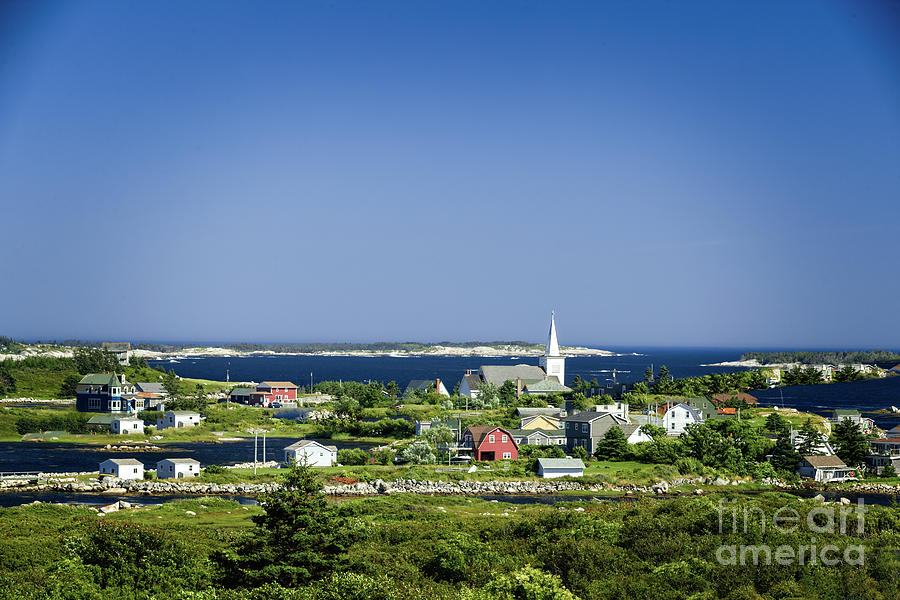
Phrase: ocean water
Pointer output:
(869, 395)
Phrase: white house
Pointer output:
(311, 453)
(633, 434)
(825, 468)
(178, 419)
(551, 468)
(177, 468)
(123, 468)
(127, 425)
(679, 417)
(620, 409)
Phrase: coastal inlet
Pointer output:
(51, 457)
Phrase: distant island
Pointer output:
(791, 358)
(13, 349)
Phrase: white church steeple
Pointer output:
(552, 362)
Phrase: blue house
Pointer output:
(105, 392)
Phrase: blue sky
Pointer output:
(660, 173)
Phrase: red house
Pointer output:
(268, 392)
(488, 442)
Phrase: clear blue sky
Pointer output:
(666, 173)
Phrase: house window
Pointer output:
(567, 426)
(504, 439)
(491, 438)
(94, 403)
(584, 427)
(507, 455)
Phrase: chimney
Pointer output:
(468, 371)
(518, 387)
(437, 385)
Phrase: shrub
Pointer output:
(214, 469)
(689, 465)
(352, 456)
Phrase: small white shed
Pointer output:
(123, 468)
(551, 468)
(127, 425)
(311, 453)
(177, 468)
(178, 419)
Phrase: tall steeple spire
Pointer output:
(552, 342)
(553, 363)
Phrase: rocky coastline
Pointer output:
(69, 483)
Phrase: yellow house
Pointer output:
(540, 422)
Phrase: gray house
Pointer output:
(587, 428)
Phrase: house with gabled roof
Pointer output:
(540, 422)
(424, 385)
(122, 350)
(178, 419)
(123, 468)
(310, 453)
(177, 468)
(488, 442)
(587, 428)
(721, 400)
(127, 426)
(104, 392)
(825, 468)
(539, 437)
(678, 417)
(551, 468)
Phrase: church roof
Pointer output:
(498, 374)
(547, 386)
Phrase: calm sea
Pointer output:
(681, 362)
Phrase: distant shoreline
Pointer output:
(436, 350)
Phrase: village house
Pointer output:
(633, 434)
(884, 452)
(734, 399)
(127, 426)
(310, 453)
(551, 468)
(424, 385)
(678, 417)
(123, 468)
(178, 419)
(540, 422)
(104, 392)
(848, 414)
(177, 468)
(121, 350)
(539, 437)
(619, 409)
(825, 468)
(894, 432)
(265, 394)
(824, 448)
(586, 429)
(488, 442)
(469, 384)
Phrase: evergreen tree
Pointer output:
(613, 446)
(850, 443)
(810, 440)
(784, 456)
(299, 538)
(776, 423)
(507, 392)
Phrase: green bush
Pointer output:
(353, 456)
(689, 465)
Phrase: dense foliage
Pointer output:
(406, 547)
(822, 358)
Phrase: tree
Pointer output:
(68, 388)
(776, 423)
(392, 389)
(94, 360)
(810, 440)
(299, 538)
(579, 401)
(580, 452)
(613, 446)
(648, 375)
(171, 383)
(847, 373)
(507, 392)
(850, 443)
(527, 583)
(420, 452)
(784, 456)
(640, 388)
(654, 431)
(346, 407)
(438, 434)
(487, 396)
(888, 470)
